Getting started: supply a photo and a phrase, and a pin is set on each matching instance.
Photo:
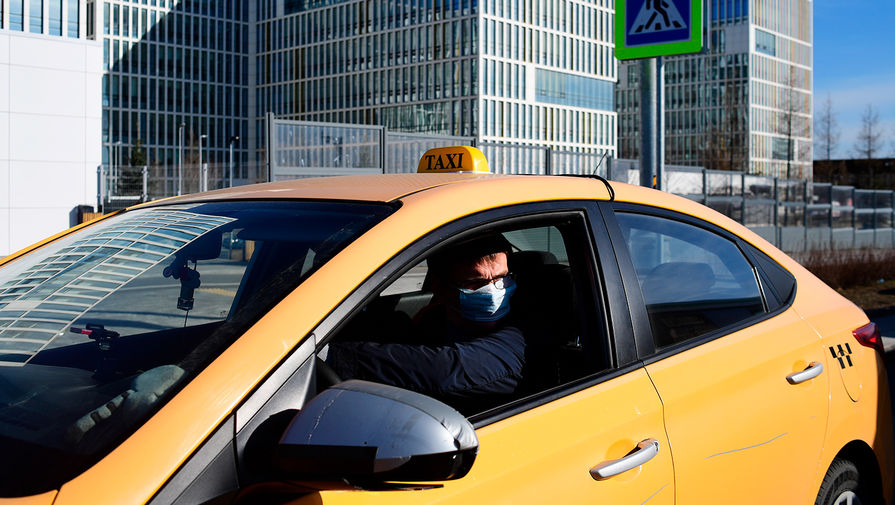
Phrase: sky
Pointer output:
(854, 64)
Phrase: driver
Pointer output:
(466, 342)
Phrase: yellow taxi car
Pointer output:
(182, 351)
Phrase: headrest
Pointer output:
(521, 261)
(677, 281)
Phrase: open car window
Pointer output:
(98, 329)
(405, 335)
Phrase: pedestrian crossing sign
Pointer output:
(648, 28)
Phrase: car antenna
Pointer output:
(602, 179)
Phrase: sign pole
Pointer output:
(660, 122)
(648, 135)
(648, 30)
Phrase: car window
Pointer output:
(410, 336)
(98, 329)
(547, 239)
(693, 281)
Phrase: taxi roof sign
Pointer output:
(442, 160)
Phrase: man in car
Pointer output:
(466, 344)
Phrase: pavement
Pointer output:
(889, 344)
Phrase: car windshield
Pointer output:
(99, 328)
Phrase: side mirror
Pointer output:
(365, 432)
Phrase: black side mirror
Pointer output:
(365, 432)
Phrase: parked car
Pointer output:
(672, 356)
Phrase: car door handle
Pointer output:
(646, 450)
(814, 369)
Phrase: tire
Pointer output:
(843, 485)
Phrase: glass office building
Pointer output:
(537, 72)
(745, 103)
(168, 64)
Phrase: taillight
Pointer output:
(868, 336)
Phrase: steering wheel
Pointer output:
(326, 376)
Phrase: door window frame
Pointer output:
(643, 334)
(609, 311)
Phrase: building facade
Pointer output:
(745, 103)
(538, 72)
(50, 113)
(175, 88)
(182, 79)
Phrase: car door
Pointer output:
(740, 374)
(595, 407)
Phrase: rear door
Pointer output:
(740, 374)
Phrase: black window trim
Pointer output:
(643, 335)
(764, 277)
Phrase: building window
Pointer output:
(56, 17)
(765, 42)
(74, 21)
(782, 148)
(16, 13)
(35, 16)
(566, 89)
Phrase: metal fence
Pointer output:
(119, 186)
(308, 149)
(795, 215)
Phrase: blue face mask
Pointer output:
(487, 303)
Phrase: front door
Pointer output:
(584, 428)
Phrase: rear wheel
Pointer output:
(842, 485)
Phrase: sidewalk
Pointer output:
(889, 344)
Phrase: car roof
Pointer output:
(372, 188)
(448, 189)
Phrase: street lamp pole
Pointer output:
(180, 158)
(116, 163)
(233, 139)
(202, 171)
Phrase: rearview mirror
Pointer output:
(368, 432)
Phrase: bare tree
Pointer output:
(790, 120)
(724, 144)
(827, 129)
(869, 140)
(893, 142)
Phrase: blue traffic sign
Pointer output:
(646, 28)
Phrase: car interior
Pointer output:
(557, 349)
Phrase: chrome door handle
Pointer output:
(814, 369)
(646, 450)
